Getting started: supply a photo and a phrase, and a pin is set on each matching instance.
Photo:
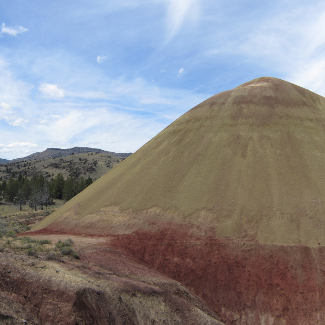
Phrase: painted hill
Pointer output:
(240, 164)
(229, 200)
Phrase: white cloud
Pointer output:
(290, 44)
(9, 115)
(17, 149)
(12, 31)
(310, 75)
(101, 59)
(62, 128)
(120, 114)
(5, 107)
(51, 90)
(12, 91)
(178, 12)
(21, 145)
(180, 71)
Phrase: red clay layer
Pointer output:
(244, 283)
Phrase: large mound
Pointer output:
(213, 198)
(246, 163)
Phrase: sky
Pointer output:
(113, 74)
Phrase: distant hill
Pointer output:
(93, 163)
(4, 161)
(58, 152)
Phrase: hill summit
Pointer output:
(247, 162)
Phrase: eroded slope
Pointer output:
(115, 290)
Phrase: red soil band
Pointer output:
(244, 283)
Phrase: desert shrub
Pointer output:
(31, 251)
(53, 256)
(44, 242)
(3, 227)
(11, 233)
(66, 243)
(59, 244)
(74, 254)
(28, 240)
(66, 250)
(69, 240)
(25, 227)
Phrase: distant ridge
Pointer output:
(58, 152)
(4, 161)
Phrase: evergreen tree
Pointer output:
(69, 189)
(80, 185)
(25, 187)
(20, 199)
(57, 186)
(11, 190)
(3, 187)
(88, 181)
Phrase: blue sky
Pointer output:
(112, 74)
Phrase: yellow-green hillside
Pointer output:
(249, 162)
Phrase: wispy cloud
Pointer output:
(13, 31)
(178, 11)
(10, 116)
(294, 44)
(51, 90)
(62, 128)
(180, 71)
(15, 149)
(60, 87)
(101, 58)
(122, 116)
(21, 145)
